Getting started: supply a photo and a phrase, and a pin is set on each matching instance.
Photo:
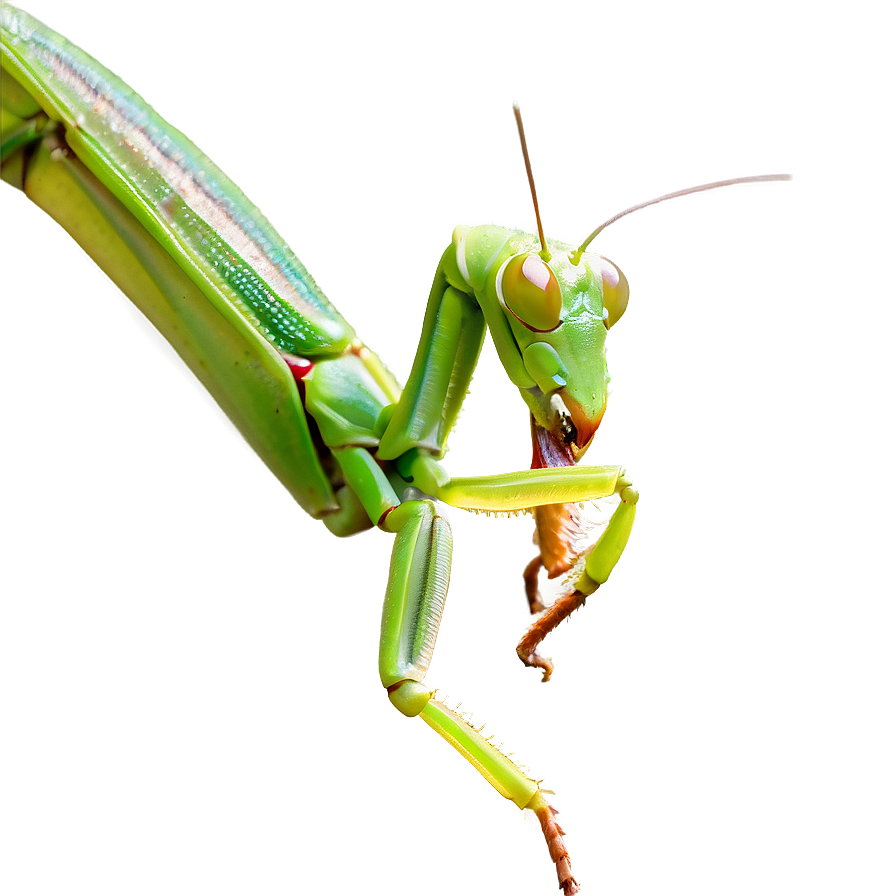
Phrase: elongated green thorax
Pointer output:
(224, 244)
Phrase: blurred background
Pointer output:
(188, 683)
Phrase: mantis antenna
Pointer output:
(576, 256)
(543, 252)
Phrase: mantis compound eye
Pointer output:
(530, 292)
(615, 292)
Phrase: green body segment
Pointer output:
(346, 402)
(367, 481)
(415, 596)
(187, 247)
(502, 492)
(498, 769)
(177, 193)
(453, 332)
(247, 377)
(606, 553)
(16, 100)
(479, 253)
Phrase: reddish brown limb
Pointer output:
(558, 528)
(553, 833)
(527, 648)
(530, 577)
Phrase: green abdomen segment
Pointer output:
(221, 241)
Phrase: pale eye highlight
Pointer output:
(615, 292)
(531, 293)
(537, 272)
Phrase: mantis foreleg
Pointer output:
(450, 342)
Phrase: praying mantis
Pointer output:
(352, 447)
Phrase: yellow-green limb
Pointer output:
(415, 598)
(503, 492)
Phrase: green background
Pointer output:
(187, 681)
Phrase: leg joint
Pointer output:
(409, 697)
(625, 488)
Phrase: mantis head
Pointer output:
(549, 321)
(549, 307)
